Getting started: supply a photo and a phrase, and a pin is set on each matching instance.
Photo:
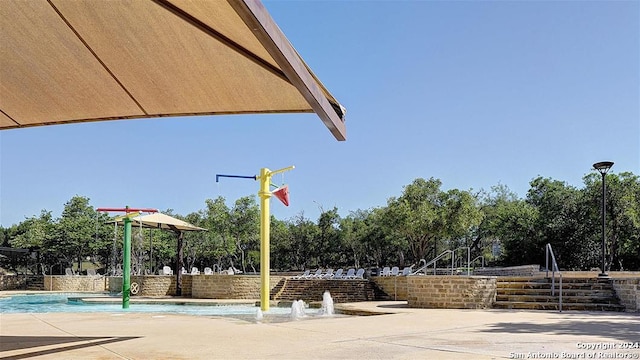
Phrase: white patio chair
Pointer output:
(350, 274)
(386, 271)
(304, 275)
(338, 274)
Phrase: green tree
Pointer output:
(623, 219)
(75, 231)
(303, 234)
(355, 230)
(35, 235)
(328, 249)
(244, 219)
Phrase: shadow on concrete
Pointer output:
(12, 343)
(619, 329)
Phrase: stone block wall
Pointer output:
(75, 283)
(312, 290)
(229, 286)
(13, 282)
(628, 291)
(523, 270)
(451, 292)
(394, 286)
(154, 285)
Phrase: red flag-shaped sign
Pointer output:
(282, 193)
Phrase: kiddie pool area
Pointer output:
(112, 303)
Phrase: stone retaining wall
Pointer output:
(628, 291)
(229, 286)
(312, 290)
(75, 283)
(154, 285)
(13, 282)
(394, 286)
(523, 270)
(451, 292)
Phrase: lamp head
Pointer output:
(603, 166)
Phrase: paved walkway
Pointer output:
(402, 334)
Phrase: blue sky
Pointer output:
(474, 93)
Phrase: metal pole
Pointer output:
(126, 272)
(265, 194)
(604, 214)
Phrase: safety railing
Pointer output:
(473, 261)
(468, 267)
(554, 269)
(434, 262)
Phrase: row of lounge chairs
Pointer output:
(330, 274)
(167, 270)
(90, 272)
(395, 271)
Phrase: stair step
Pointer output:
(586, 294)
(555, 306)
(565, 299)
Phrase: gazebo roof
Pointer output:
(69, 61)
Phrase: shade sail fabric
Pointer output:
(163, 221)
(68, 61)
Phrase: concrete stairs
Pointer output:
(534, 293)
(35, 282)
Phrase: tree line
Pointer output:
(425, 220)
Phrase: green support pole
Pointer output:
(126, 271)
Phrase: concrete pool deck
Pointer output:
(403, 333)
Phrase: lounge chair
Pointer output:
(68, 272)
(91, 272)
(406, 271)
(350, 274)
(166, 270)
(338, 274)
(316, 275)
(394, 271)
(208, 271)
(359, 274)
(304, 275)
(328, 274)
(386, 271)
(195, 271)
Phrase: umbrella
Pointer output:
(163, 221)
(166, 222)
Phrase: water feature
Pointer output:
(73, 303)
(327, 304)
(298, 309)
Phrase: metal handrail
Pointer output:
(553, 274)
(427, 264)
(478, 257)
(468, 257)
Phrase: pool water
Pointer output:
(68, 303)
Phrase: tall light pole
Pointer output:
(602, 168)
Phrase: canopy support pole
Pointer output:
(126, 271)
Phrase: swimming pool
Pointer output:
(72, 303)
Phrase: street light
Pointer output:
(602, 168)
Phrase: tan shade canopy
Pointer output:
(67, 61)
(163, 221)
